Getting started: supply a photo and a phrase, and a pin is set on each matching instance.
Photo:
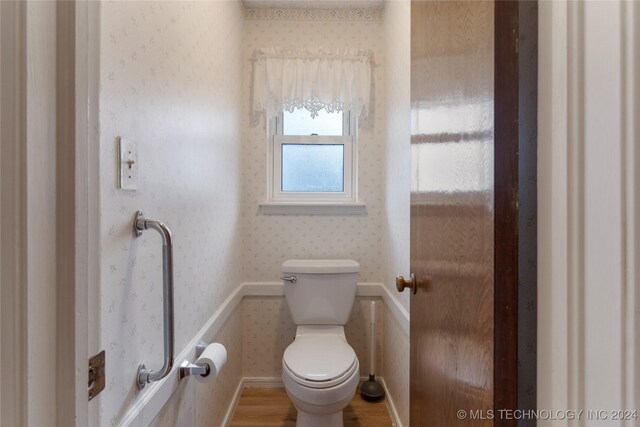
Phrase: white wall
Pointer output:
(170, 81)
(397, 164)
(588, 180)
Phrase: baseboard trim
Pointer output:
(262, 382)
(395, 418)
(249, 382)
(231, 410)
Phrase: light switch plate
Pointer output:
(128, 164)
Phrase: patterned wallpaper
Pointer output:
(267, 329)
(378, 241)
(271, 239)
(170, 81)
(175, 78)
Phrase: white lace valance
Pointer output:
(286, 78)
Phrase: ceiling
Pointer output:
(313, 4)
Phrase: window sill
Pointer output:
(312, 208)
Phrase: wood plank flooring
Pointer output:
(271, 407)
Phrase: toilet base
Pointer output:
(306, 419)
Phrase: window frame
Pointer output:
(348, 139)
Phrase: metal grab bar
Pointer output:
(140, 224)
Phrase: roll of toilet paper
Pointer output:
(214, 355)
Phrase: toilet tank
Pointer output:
(323, 292)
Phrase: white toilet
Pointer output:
(320, 370)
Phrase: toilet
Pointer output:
(320, 370)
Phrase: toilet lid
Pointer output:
(319, 358)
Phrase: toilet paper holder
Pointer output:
(187, 368)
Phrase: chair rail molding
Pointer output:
(364, 289)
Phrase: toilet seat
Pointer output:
(319, 361)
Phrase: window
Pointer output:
(313, 159)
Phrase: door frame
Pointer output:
(78, 205)
(63, 119)
(515, 232)
(589, 205)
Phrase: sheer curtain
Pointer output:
(286, 78)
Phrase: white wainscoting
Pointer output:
(146, 409)
(389, 400)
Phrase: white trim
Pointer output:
(231, 410)
(147, 407)
(312, 208)
(368, 289)
(262, 289)
(87, 100)
(74, 215)
(271, 289)
(86, 39)
(312, 203)
(467, 198)
(399, 312)
(587, 217)
(391, 407)
(348, 159)
(370, 12)
(262, 382)
(249, 382)
(364, 289)
(631, 195)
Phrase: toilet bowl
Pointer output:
(320, 370)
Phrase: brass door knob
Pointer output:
(402, 283)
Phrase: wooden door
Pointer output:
(452, 213)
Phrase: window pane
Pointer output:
(313, 167)
(300, 122)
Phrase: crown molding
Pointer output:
(313, 14)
